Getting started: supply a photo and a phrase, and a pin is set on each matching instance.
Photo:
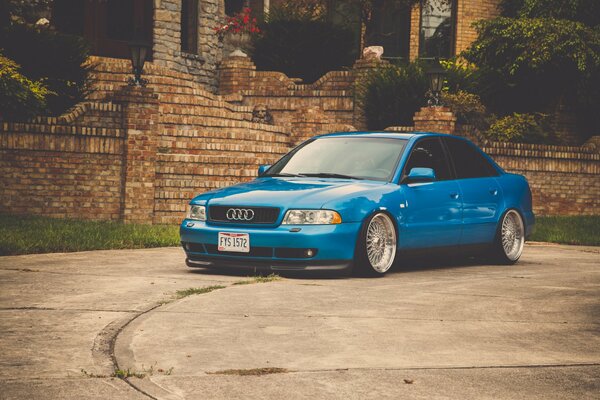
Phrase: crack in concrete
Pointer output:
(446, 368)
(458, 367)
(106, 346)
(35, 308)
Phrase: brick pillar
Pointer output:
(435, 119)
(140, 123)
(361, 69)
(235, 75)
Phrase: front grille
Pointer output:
(262, 215)
(254, 251)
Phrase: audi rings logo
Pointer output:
(240, 214)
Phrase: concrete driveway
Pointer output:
(426, 331)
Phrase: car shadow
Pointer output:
(404, 265)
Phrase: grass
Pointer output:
(180, 294)
(259, 279)
(30, 235)
(581, 230)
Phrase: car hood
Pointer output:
(287, 192)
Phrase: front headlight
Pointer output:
(196, 212)
(311, 217)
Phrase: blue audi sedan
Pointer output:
(359, 201)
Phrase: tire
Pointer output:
(510, 238)
(377, 243)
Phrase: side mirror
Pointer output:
(263, 168)
(420, 175)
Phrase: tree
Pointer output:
(539, 54)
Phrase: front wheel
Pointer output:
(510, 237)
(377, 244)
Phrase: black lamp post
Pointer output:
(139, 52)
(436, 76)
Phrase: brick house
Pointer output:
(182, 37)
(139, 154)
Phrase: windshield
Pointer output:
(342, 157)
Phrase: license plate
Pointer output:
(236, 242)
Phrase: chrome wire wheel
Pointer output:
(512, 235)
(380, 243)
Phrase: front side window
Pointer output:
(469, 162)
(437, 35)
(189, 26)
(429, 153)
(352, 157)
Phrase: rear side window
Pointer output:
(469, 162)
(429, 153)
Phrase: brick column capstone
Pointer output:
(140, 123)
(435, 119)
(235, 75)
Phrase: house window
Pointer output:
(189, 26)
(437, 35)
(390, 28)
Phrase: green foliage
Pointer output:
(527, 64)
(20, 98)
(581, 230)
(29, 234)
(23, 10)
(53, 57)
(298, 10)
(585, 11)
(392, 94)
(468, 109)
(460, 76)
(303, 48)
(523, 128)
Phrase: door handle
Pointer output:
(454, 195)
(494, 191)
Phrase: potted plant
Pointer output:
(237, 30)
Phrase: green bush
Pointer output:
(523, 128)
(460, 75)
(586, 11)
(468, 109)
(299, 42)
(528, 64)
(390, 94)
(20, 98)
(53, 57)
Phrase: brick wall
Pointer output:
(333, 93)
(51, 167)
(140, 154)
(468, 12)
(133, 154)
(564, 180)
(167, 40)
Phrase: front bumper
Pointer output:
(272, 248)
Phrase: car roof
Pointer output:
(386, 134)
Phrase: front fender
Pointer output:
(357, 207)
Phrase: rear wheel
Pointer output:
(377, 245)
(510, 238)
